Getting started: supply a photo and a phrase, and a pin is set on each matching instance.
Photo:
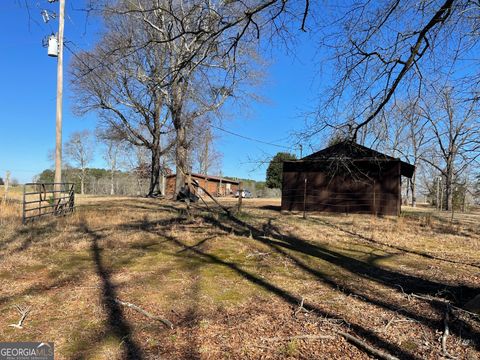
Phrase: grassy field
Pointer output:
(232, 285)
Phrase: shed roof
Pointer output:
(349, 150)
(210, 177)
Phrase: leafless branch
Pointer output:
(23, 311)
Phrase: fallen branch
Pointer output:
(446, 332)
(361, 344)
(332, 320)
(393, 320)
(437, 299)
(24, 311)
(145, 313)
(299, 337)
(388, 324)
(301, 308)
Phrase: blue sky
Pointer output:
(27, 115)
(28, 91)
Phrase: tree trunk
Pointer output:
(407, 193)
(112, 187)
(412, 188)
(180, 123)
(139, 184)
(82, 183)
(181, 158)
(154, 189)
(448, 188)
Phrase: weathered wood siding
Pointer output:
(367, 187)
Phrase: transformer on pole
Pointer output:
(52, 46)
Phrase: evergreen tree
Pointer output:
(275, 169)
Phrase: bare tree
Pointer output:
(153, 73)
(405, 135)
(137, 162)
(455, 136)
(184, 117)
(204, 154)
(125, 88)
(113, 151)
(200, 74)
(79, 149)
(415, 145)
(228, 23)
(391, 48)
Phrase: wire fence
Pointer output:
(42, 199)
(355, 201)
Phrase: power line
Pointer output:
(251, 139)
(89, 68)
(213, 126)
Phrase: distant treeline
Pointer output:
(131, 183)
(258, 188)
(101, 181)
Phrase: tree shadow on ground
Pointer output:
(277, 208)
(443, 220)
(117, 324)
(26, 237)
(439, 229)
(398, 282)
(376, 242)
(130, 203)
(287, 244)
(272, 288)
(191, 320)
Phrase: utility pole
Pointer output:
(58, 131)
(6, 185)
(301, 150)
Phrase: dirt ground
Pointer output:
(232, 284)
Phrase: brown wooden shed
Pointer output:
(345, 177)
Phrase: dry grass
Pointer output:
(227, 283)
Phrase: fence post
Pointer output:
(240, 195)
(374, 200)
(305, 198)
(24, 205)
(7, 182)
(72, 198)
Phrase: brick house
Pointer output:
(215, 185)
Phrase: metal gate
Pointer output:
(41, 199)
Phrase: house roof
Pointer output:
(349, 150)
(210, 177)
